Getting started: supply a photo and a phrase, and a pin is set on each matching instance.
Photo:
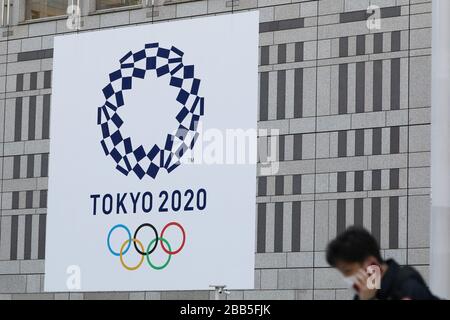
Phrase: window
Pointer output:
(36, 9)
(108, 4)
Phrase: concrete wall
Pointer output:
(353, 109)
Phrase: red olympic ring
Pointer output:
(162, 236)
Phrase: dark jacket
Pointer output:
(402, 282)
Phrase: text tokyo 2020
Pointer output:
(147, 202)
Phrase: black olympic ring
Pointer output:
(135, 237)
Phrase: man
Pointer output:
(356, 254)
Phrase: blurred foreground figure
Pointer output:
(356, 254)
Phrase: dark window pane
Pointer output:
(36, 9)
(108, 4)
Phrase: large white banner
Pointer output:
(152, 166)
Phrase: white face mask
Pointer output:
(350, 281)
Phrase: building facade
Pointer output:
(347, 83)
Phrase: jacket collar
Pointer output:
(388, 279)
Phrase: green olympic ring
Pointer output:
(148, 256)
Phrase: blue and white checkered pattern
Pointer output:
(131, 158)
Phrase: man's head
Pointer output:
(352, 250)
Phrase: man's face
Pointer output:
(359, 276)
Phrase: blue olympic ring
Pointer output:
(117, 254)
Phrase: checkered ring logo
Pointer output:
(129, 156)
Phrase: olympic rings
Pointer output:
(139, 247)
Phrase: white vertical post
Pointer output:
(440, 151)
(3, 13)
(8, 12)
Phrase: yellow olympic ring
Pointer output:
(121, 255)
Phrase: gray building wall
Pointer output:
(353, 110)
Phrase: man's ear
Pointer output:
(371, 261)
(373, 269)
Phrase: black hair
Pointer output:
(353, 245)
